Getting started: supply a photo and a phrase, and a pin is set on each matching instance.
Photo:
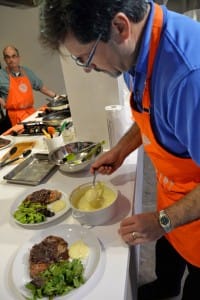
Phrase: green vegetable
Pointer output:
(93, 152)
(30, 213)
(59, 279)
(75, 158)
(70, 157)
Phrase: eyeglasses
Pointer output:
(12, 56)
(79, 61)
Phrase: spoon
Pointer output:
(23, 155)
(94, 178)
(9, 154)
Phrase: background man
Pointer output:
(16, 87)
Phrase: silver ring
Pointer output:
(134, 235)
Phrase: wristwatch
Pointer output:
(165, 221)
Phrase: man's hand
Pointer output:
(141, 228)
(113, 159)
(108, 162)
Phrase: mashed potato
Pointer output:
(57, 206)
(93, 198)
(78, 250)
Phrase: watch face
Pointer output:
(164, 220)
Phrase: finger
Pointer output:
(92, 170)
(127, 221)
(133, 237)
(105, 169)
(128, 228)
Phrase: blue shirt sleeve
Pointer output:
(4, 84)
(36, 82)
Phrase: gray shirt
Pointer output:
(4, 81)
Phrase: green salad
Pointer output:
(31, 213)
(59, 279)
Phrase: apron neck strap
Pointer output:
(155, 37)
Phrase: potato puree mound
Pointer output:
(78, 250)
(92, 198)
(57, 206)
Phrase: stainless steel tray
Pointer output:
(31, 171)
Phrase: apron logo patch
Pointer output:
(165, 181)
(23, 87)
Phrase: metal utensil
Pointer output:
(9, 154)
(56, 118)
(94, 178)
(23, 155)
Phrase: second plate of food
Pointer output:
(38, 206)
(48, 245)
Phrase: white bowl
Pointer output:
(97, 216)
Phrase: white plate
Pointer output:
(70, 233)
(9, 144)
(57, 215)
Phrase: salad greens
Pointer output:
(59, 279)
(70, 157)
(89, 152)
(31, 213)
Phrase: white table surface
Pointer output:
(111, 278)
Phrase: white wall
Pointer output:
(89, 93)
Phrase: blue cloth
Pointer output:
(4, 81)
(175, 84)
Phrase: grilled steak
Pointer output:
(52, 249)
(43, 196)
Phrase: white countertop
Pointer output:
(111, 278)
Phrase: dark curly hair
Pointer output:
(86, 19)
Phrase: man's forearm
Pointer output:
(185, 210)
(131, 140)
(47, 92)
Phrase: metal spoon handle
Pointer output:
(94, 178)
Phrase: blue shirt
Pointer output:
(36, 83)
(175, 84)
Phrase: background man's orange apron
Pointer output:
(19, 102)
(175, 176)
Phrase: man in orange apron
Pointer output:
(162, 65)
(16, 87)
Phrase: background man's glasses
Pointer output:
(79, 61)
(11, 56)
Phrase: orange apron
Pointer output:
(175, 176)
(19, 102)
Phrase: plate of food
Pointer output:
(57, 263)
(5, 142)
(38, 206)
